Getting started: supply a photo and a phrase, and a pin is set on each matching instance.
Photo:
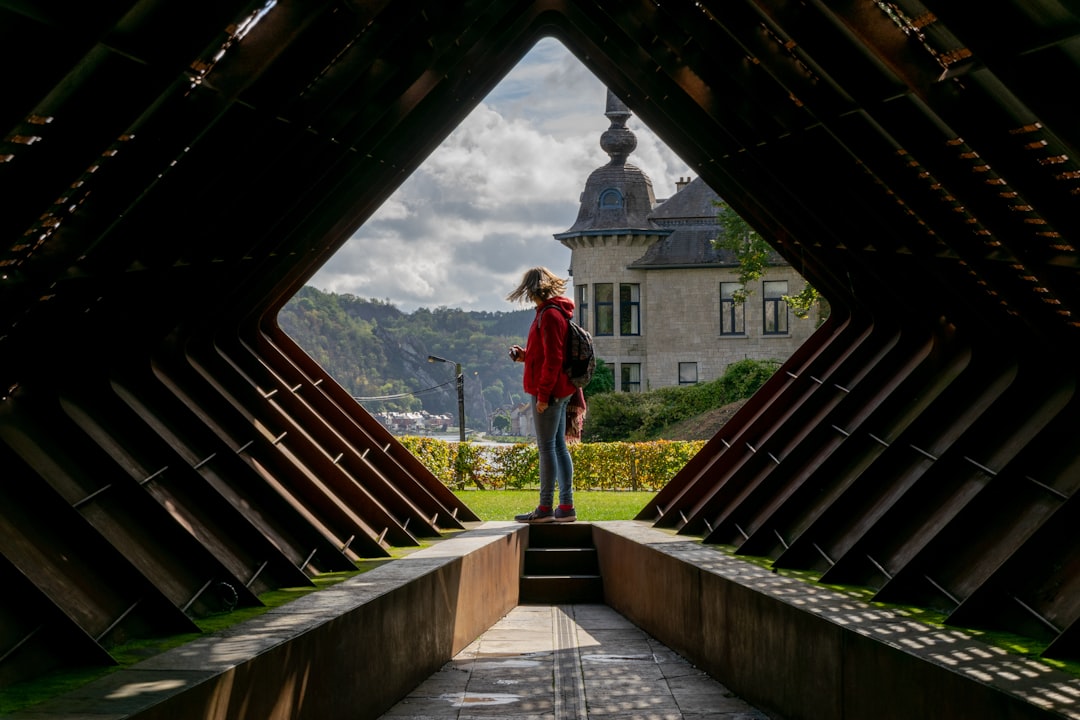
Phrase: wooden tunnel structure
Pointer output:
(172, 173)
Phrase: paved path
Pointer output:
(570, 662)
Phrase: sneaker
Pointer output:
(565, 515)
(536, 516)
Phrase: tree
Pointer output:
(603, 379)
(501, 423)
(752, 252)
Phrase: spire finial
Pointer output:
(617, 141)
(616, 109)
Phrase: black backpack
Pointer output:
(579, 359)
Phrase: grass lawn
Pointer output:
(589, 504)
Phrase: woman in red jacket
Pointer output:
(549, 389)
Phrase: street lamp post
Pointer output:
(460, 392)
(459, 470)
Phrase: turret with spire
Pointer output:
(618, 197)
(649, 284)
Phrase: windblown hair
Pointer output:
(538, 283)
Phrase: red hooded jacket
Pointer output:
(544, 350)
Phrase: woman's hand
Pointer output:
(541, 406)
(517, 353)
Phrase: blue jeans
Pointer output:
(555, 459)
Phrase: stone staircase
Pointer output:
(561, 566)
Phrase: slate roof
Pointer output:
(632, 215)
(690, 216)
(695, 200)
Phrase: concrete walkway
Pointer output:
(570, 662)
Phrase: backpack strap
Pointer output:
(556, 307)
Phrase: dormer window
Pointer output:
(611, 199)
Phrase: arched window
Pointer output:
(610, 199)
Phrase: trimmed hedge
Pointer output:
(597, 466)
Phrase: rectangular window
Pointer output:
(732, 314)
(776, 310)
(605, 308)
(687, 373)
(582, 306)
(629, 309)
(631, 377)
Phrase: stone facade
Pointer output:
(683, 311)
(648, 285)
(679, 315)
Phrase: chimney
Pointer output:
(681, 183)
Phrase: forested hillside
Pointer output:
(374, 351)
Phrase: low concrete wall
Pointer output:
(800, 652)
(350, 651)
(796, 651)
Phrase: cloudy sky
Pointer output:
(484, 206)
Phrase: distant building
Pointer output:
(412, 423)
(649, 285)
(521, 420)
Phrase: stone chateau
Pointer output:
(652, 289)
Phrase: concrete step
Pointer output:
(561, 561)
(561, 565)
(560, 589)
(560, 535)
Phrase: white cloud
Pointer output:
(484, 206)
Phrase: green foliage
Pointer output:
(749, 248)
(374, 350)
(613, 416)
(518, 465)
(744, 378)
(597, 466)
(630, 466)
(803, 302)
(590, 506)
(603, 379)
(753, 255)
(643, 416)
(436, 455)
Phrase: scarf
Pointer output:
(575, 416)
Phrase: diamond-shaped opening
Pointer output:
(193, 215)
(483, 207)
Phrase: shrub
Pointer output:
(597, 466)
(519, 465)
(630, 466)
(744, 378)
(436, 455)
(603, 379)
(643, 416)
(613, 416)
